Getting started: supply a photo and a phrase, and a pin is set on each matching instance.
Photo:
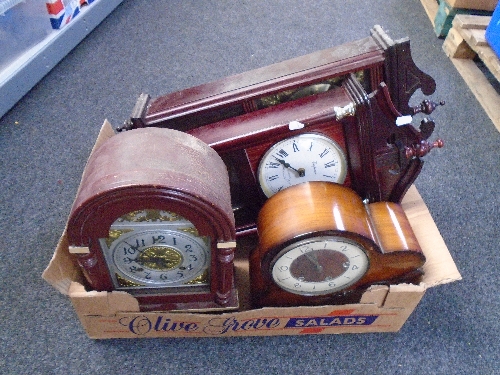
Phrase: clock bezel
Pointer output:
(370, 248)
(134, 230)
(268, 191)
(338, 237)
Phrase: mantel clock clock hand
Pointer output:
(320, 158)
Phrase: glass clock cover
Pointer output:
(153, 248)
(303, 158)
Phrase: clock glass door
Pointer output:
(151, 249)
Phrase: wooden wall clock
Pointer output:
(320, 244)
(340, 115)
(374, 59)
(153, 217)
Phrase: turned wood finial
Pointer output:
(427, 107)
(423, 148)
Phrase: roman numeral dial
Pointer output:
(303, 158)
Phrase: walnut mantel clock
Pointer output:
(340, 115)
(153, 217)
(320, 244)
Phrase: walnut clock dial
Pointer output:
(303, 158)
(320, 244)
(153, 218)
(318, 266)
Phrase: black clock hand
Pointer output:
(301, 171)
(314, 261)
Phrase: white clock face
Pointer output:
(318, 266)
(156, 254)
(303, 158)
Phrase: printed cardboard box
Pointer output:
(381, 309)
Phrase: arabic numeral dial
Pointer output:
(159, 258)
(319, 266)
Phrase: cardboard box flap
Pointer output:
(62, 269)
(105, 133)
(439, 267)
(407, 295)
(101, 303)
(376, 295)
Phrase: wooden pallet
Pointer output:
(464, 42)
(474, 4)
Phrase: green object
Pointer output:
(446, 13)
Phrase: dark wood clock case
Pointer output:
(357, 94)
(129, 173)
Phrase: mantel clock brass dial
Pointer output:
(160, 252)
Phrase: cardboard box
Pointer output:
(473, 4)
(381, 309)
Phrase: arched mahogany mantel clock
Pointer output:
(153, 217)
(340, 115)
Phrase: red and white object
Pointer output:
(61, 12)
